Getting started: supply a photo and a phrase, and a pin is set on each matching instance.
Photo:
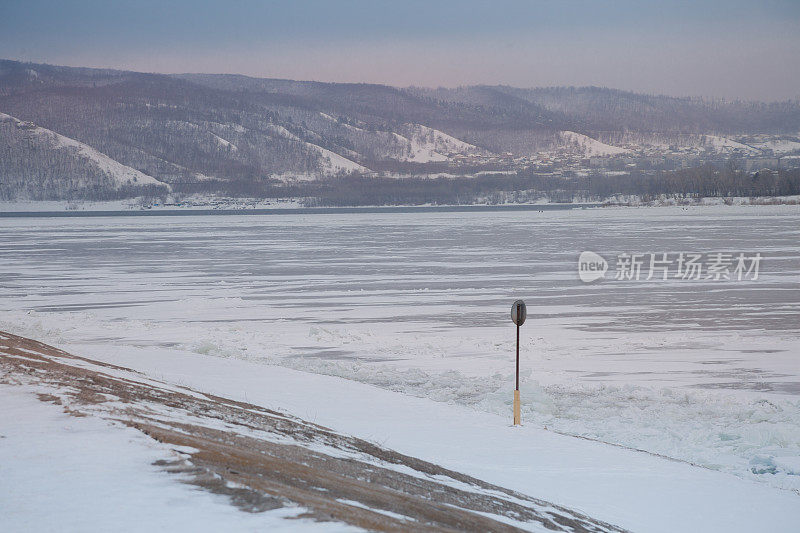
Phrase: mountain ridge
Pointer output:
(233, 132)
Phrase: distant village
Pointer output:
(571, 161)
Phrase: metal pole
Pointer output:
(517, 387)
(517, 417)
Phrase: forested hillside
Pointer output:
(78, 132)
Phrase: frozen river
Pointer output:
(697, 369)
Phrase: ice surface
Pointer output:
(704, 372)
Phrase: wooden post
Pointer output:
(517, 418)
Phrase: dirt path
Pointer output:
(264, 459)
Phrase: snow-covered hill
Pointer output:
(425, 138)
(103, 131)
(329, 164)
(417, 152)
(778, 146)
(333, 163)
(586, 145)
(119, 174)
(723, 144)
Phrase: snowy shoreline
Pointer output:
(244, 205)
(634, 490)
(264, 460)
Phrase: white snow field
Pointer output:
(65, 473)
(703, 372)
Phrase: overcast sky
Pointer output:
(724, 48)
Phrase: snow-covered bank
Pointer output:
(748, 433)
(64, 473)
(263, 459)
(635, 490)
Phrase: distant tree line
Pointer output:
(704, 181)
(525, 186)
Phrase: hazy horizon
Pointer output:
(413, 86)
(731, 50)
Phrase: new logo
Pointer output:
(591, 267)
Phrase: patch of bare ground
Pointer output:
(264, 459)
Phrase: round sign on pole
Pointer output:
(518, 312)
